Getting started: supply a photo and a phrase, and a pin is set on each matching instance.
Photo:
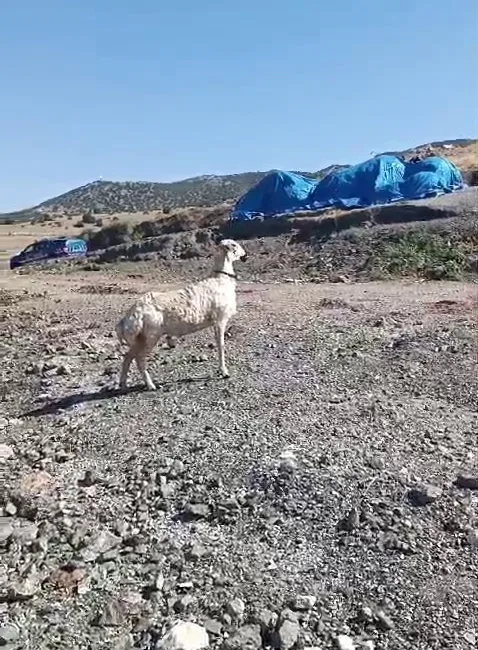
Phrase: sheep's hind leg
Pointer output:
(140, 356)
(219, 331)
(128, 358)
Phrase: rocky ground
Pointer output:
(324, 497)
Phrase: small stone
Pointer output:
(467, 481)
(159, 582)
(100, 544)
(177, 468)
(383, 621)
(124, 642)
(470, 637)
(184, 636)
(236, 608)
(112, 615)
(351, 521)
(184, 603)
(472, 539)
(11, 509)
(288, 461)
(375, 462)
(6, 529)
(247, 637)
(366, 614)
(6, 452)
(287, 630)
(424, 495)
(36, 483)
(26, 534)
(197, 510)
(303, 602)
(68, 578)
(142, 624)
(267, 620)
(195, 552)
(27, 586)
(9, 634)
(166, 490)
(213, 626)
(344, 642)
(89, 479)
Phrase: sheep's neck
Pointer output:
(225, 267)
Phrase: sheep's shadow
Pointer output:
(74, 399)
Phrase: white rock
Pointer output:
(185, 636)
(304, 602)
(236, 608)
(288, 460)
(344, 642)
(6, 452)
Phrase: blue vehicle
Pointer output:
(49, 249)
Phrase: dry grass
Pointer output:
(465, 158)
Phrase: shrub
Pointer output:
(113, 235)
(88, 217)
(424, 254)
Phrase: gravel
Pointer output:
(323, 497)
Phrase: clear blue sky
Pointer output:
(139, 90)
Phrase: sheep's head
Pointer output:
(232, 250)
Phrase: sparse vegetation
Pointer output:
(425, 254)
(88, 217)
(113, 235)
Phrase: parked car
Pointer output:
(49, 249)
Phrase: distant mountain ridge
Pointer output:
(110, 197)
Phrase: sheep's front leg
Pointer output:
(219, 331)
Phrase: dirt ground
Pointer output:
(327, 467)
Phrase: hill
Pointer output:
(110, 197)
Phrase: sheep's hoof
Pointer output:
(150, 387)
(225, 374)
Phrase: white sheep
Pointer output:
(209, 303)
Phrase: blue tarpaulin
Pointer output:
(380, 180)
(277, 192)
